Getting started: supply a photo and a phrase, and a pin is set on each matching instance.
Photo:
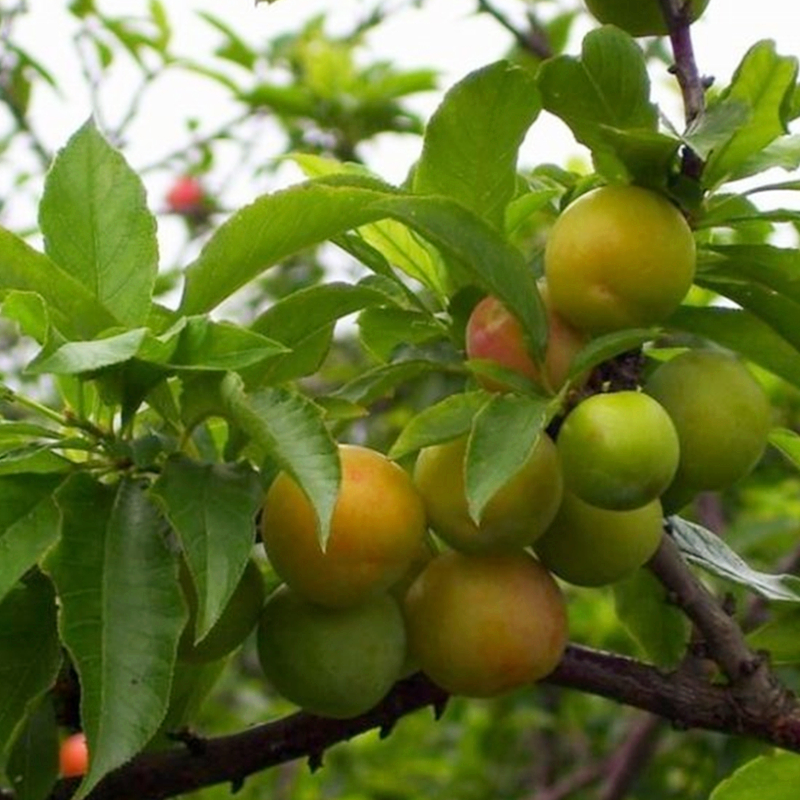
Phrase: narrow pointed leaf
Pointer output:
(446, 420)
(212, 507)
(28, 524)
(744, 333)
(97, 226)
(33, 758)
(291, 430)
(30, 655)
(121, 615)
(503, 434)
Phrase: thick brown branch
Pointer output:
(683, 699)
(752, 683)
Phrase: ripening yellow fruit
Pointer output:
(619, 257)
(480, 626)
(515, 516)
(377, 526)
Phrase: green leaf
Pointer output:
(74, 310)
(504, 432)
(378, 382)
(707, 550)
(471, 157)
(764, 83)
(121, 615)
(302, 319)
(383, 331)
(270, 229)
(654, 623)
(97, 226)
(30, 655)
(291, 430)
(744, 333)
(604, 97)
(608, 346)
(771, 777)
(446, 420)
(212, 507)
(780, 637)
(29, 311)
(481, 254)
(788, 443)
(73, 358)
(28, 524)
(32, 765)
(202, 344)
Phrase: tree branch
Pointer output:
(680, 697)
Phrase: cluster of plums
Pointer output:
(483, 613)
(408, 580)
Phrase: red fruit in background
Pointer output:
(188, 197)
(73, 756)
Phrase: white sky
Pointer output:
(444, 35)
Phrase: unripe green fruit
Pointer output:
(483, 625)
(619, 257)
(638, 17)
(721, 413)
(332, 662)
(618, 451)
(515, 516)
(237, 620)
(590, 546)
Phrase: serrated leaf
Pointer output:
(32, 766)
(212, 508)
(707, 550)
(97, 226)
(121, 615)
(446, 420)
(764, 82)
(771, 777)
(28, 524)
(30, 655)
(291, 430)
(73, 309)
(744, 333)
(655, 624)
(471, 157)
(503, 435)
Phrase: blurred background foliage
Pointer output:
(317, 93)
